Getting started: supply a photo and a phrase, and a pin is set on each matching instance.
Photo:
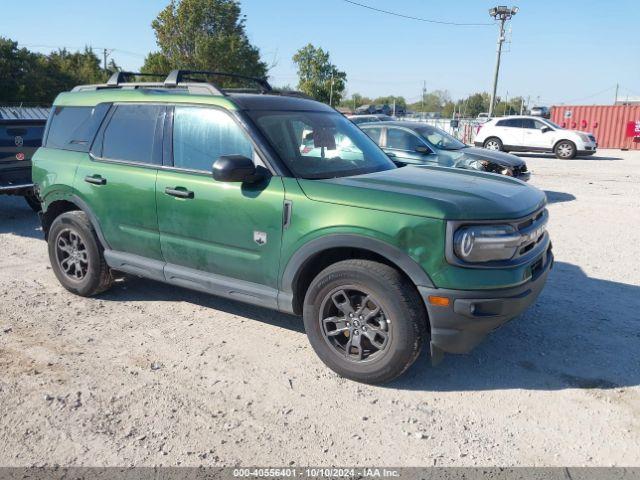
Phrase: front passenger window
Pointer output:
(201, 135)
(402, 140)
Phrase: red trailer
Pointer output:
(615, 126)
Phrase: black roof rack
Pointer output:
(184, 79)
(179, 76)
(121, 77)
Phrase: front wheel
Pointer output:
(565, 150)
(364, 320)
(76, 255)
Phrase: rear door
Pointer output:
(229, 229)
(118, 179)
(510, 132)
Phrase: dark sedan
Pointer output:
(417, 143)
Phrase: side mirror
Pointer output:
(235, 168)
(422, 149)
(545, 129)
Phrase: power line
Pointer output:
(428, 20)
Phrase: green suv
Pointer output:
(273, 199)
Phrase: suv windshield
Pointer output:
(318, 145)
(440, 139)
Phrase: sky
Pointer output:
(558, 51)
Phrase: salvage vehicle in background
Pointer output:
(534, 134)
(540, 112)
(207, 188)
(21, 132)
(358, 119)
(417, 143)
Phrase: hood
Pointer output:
(494, 156)
(436, 192)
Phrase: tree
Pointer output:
(432, 102)
(204, 35)
(390, 100)
(318, 77)
(36, 78)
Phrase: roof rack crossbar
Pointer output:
(177, 76)
(121, 77)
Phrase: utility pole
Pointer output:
(502, 14)
(331, 92)
(104, 56)
(424, 92)
(615, 102)
(521, 105)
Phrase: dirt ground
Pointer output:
(149, 374)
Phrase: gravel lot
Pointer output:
(149, 374)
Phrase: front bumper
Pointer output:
(472, 314)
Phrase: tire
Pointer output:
(33, 201)
(388, 342)
(76, 255)
(565, 150)
(493, 143)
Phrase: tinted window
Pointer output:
(374, 133)
(201, 135)
(510, 122)
(73, 128)
(402, 140)
(130, 135)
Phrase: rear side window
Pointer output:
(373, 133)
(131, 134)
(201, 135)
(510, 122)
(74, 128)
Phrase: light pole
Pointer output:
(502, 14)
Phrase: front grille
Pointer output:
(533, 230)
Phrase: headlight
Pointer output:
(485, 243)
(584, 138)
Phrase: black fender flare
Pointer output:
(393, 254)
(84, 206)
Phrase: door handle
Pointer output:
(95, 180)
(179, 192)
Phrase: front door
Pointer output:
(118, 180)
(534, 137)
(228, 229)
(403, 146)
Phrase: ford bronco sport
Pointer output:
(221, 191)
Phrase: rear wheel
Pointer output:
(492, 143)
(364, 320)
(565, 150)
(76, 255)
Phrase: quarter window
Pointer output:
(201, 135)
(131, 133)
(73, 128)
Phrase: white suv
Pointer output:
(534, 134)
